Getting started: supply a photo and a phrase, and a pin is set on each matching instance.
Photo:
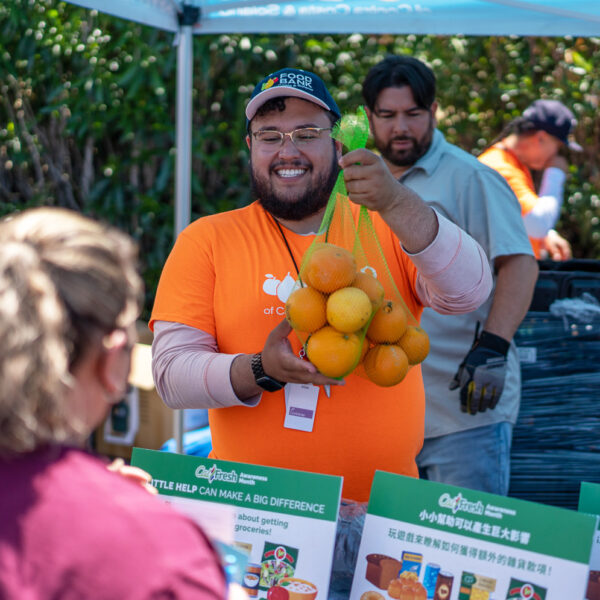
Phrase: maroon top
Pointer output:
(71, 529)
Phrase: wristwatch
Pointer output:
(266, 383)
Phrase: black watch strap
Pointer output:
(262, 379)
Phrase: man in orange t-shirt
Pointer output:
(533, 142)
(221, 341)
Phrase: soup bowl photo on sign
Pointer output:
(292, 588)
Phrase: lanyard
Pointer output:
(286, 243)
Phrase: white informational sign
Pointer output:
(283, 520)
(429, 540)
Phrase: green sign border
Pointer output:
(556, 532)
(284, 491)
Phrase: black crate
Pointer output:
(556, 440)
(567, 279)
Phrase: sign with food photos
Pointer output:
(275, 517)
(425, 540)
(589, 502)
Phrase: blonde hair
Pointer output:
(65, 282)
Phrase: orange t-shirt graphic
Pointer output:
(229, 275)
(519, 178)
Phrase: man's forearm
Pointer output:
(242, 378)
(515, 282)
(189, 372)
(415, 224)
(454, 273)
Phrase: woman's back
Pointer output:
(72, 529)
(69, 527)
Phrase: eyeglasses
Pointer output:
(300, 137)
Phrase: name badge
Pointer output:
(300, 406)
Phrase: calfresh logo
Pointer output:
(458, 503)
(216, 474)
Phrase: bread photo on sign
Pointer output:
(381, 569)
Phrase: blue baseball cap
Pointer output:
(291, 82)
(554, 118)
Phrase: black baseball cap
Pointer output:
(291, 82)
(554, 118)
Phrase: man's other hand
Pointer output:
(280, 362)
(481, 374)
(369, 182)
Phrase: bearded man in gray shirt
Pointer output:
(472, 376)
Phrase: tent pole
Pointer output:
(183, 173)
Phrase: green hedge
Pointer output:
(87, 111)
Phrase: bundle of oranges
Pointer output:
(345, 320)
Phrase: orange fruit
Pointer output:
(415, 342)
(388, 324)
(348, 309)
(386, 364)
(305, 309)
(366, 282)
(333, 353)
(364, 350)
(329, 268)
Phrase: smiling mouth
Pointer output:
(288, 173)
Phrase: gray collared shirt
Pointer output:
(479, 200)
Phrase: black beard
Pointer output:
(407, 158)
(309, 203)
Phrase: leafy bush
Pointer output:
(87, 111)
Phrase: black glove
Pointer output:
(481, 374)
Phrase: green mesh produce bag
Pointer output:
(345, 306)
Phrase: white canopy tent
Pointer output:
(442, 17)
(469, 17)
